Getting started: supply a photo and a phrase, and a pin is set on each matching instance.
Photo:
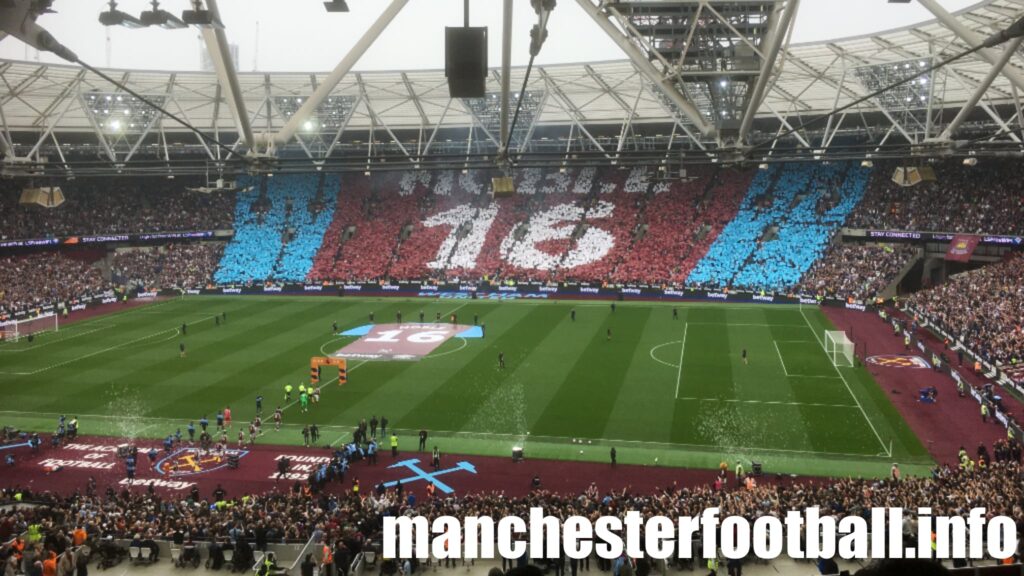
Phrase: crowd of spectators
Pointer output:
(356, 518)
(783, 226)
(171, 266)
(115, 206)
(982, 308)
(375, 221)
(682, 221)
(856, 271)
(279, 228)
(986, 199)
(38, 279)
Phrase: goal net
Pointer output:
(15, 330)
(839, 348)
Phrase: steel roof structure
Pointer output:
(704, 80)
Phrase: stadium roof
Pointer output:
(603, 108)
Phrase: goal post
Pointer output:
(16, 330)
(839, 347)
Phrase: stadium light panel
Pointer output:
(336, 6)
(162, 19)
(115, 17)
(201, 18)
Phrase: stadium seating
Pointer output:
(174, 265)
(783, 226)
(855, 271)
(982, 308)
(47, 277)
(985, 199)
(110, 206)
(682, 220)
(278, 230)
(293, 516)
(762, 229)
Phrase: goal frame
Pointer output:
(13, 331)
(839, 348)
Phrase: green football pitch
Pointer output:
(661, 390)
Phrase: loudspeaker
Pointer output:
(465, 61)
(907, 176)
(46, 196)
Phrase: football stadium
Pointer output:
(318, 265)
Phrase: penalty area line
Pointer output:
(887, 450)
(176, 331)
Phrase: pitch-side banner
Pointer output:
(962, 246)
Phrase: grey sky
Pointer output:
(298, 35)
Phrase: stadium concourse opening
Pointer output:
(715, 267)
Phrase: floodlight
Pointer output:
(336, 6)
(201, 18)
(115, 17)
(161, 18)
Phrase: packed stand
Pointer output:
(856, 271)
(355, 519)
(279, 227)
(682, 221)
(783, 226)
(171, 266)
(609, 225)
(447, 231)
(542, 237)
(116, 206)
(46, 278)
(376, 214)
(982, 308)
(988, 199)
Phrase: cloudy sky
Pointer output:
(298, 35)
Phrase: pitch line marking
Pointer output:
(34, 346)
(459, 349)
(728, 324)
(682, 351)
(133, 310)
(108, 349)
(660, 346)
(488, 435)
(886, 449)
(609, 441)
(326, 353)
(766, 402)
(90, 355)
(781, 361)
